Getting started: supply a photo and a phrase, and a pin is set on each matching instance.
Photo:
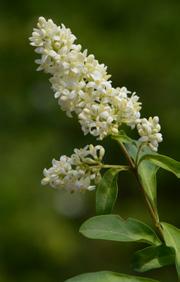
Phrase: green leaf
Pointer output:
(108, 276)
(152, 257)
(164, 162)
(147, 170)
(172, 239)
(147, 176)
(113, 227)
(107, 191)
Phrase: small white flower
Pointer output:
(79, 172)
(149, 130)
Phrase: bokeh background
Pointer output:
(140, 43)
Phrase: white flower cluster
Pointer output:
(79, 172)
(81, 84)
(149, 130)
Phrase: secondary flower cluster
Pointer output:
(149, 132)
(80, 171)
(82, 86)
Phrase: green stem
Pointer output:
(101, 165)
(123, 167)
(153, 212)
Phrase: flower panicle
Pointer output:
(81, 84)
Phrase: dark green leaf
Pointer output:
(107, 191)
(152, 257)
(107, 276)
(113, 227)
(172, 239)
(164, 162)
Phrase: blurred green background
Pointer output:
(140, 43)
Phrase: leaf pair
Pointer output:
(148, 165)
(114, 228)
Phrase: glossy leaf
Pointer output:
(107, 192)
(113, 227)
(153, 257)
(172, 239)
(164, 162)
(107, 276)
